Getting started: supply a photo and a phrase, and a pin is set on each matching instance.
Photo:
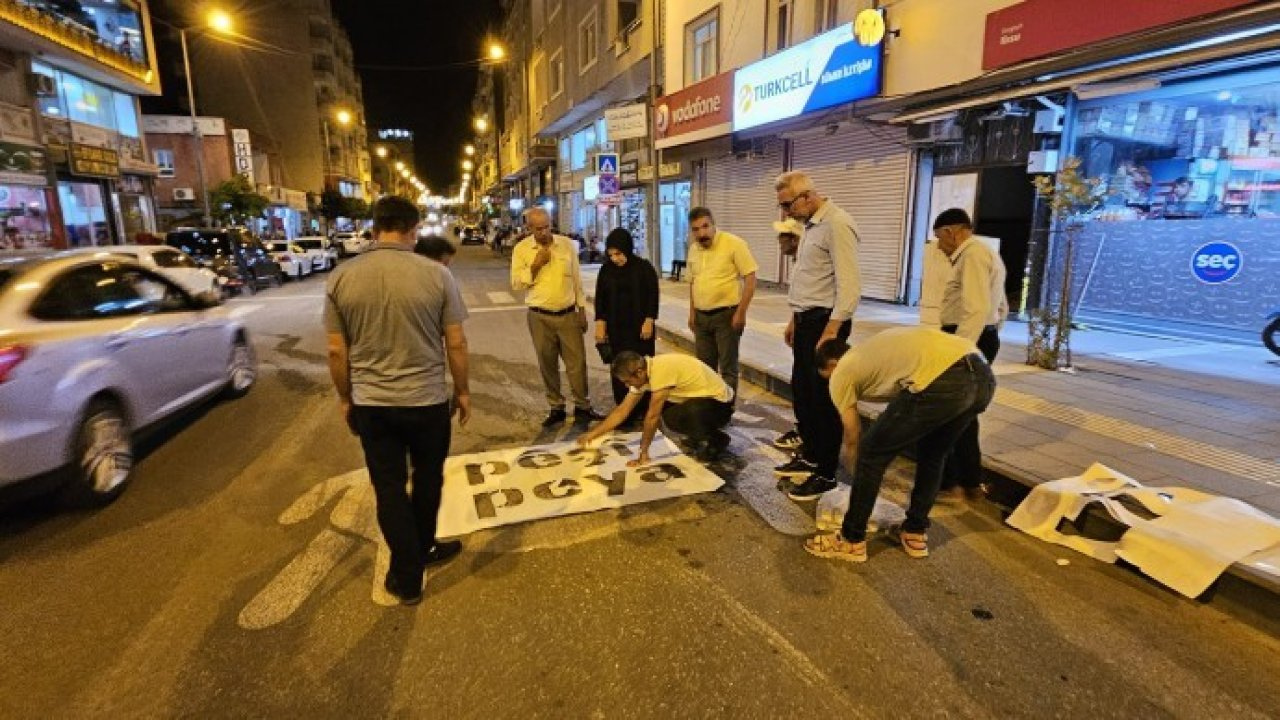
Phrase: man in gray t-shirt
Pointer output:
(394, 321)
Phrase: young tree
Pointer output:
(236, 201)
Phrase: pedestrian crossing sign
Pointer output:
(607, 164)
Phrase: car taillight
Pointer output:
(11, 356)
(286, 258)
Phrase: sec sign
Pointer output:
(1216, 262)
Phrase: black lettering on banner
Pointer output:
(476, 471)
(485, 507)
(596, 455)
(621, 449)
(615, 485)
(661, 473)
(570, 486)
(538, 460)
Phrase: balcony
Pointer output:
(124, 52)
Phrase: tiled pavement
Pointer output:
(1163, 411)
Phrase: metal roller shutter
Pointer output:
(739, 192)
(867, 172)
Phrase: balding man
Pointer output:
(824, 293)
(545, 266)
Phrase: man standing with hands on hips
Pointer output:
(545, 266)
(825, 288)
(722, 274)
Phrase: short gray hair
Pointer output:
(794, 180)
(536, 210)
(626, 363)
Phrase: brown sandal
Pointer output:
(834, 546)
(915, 545)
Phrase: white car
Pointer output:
(291, 258)
(353, 243)
(93, 350)
(168, 261)
(322, 252)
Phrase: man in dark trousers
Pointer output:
(394, 321)
(936, 384)
(825, 288)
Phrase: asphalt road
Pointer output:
(232, 581)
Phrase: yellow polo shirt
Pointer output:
(687, 377)
(716, 273)
(558, 285)
(905, 358)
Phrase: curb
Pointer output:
(1247, 590)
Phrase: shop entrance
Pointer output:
(1006, 201)
(673, 221)
(84, 213)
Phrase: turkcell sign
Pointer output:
(828, 70)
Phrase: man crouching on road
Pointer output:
(687, 394)
(936, 384)
(394, 321)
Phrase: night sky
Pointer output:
(436, 103)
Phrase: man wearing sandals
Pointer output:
(936, 385)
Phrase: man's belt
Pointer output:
(716, 311)
(952, 328)
(544, 311)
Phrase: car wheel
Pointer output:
(103, 456)
(242, 369)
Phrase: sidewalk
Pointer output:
(1156, 409)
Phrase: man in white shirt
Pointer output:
(545, 266)
(686, 394)
(722, 277)
(936, 384)
(974, 307)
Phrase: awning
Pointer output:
(1251, 34)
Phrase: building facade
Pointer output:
(74, 169)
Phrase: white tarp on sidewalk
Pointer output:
(502, 487)
(1192, 538)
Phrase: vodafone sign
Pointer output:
(698, 112)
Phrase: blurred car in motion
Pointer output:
(233, 253)
(291, 258)
(169, 262)
(322, 252)
(94, 350)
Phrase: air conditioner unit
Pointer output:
(184, 194)
(938, 132)
(42, 85)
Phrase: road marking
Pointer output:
(758, 487)
(1203, 454)
(500, 297)
(1159, 353)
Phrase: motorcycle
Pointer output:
(1271, 333)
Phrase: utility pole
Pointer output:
(651, 220)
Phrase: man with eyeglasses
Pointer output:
(825, 288)
(545, 267)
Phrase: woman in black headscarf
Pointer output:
(626, 305)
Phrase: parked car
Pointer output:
(354, 243)
(322, 252)
(233, 253)
(293, 260)
(95, 350)
(472, 235)
(168, 261)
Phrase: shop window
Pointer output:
(126, 114)
(566, 151)
(50, 99)
(1214, 153)
(24, 217)
(578, 159)
(164, 159)
(602, 134)
(84, 214)
(701, 47)
(588, 41)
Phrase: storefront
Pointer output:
(738, 189)
(24, 206)
(1186, 231)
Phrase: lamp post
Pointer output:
(220, 22)
(343, 118)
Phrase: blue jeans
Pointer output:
(931, 421)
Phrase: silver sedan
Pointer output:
(93, 350)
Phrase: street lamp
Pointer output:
(399, 166)
(468, 165)
(220, 22)
(481, 124)
(469, 150)
(497, 53)
(381, 151)
(343, 118)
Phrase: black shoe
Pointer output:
(812, 489)
(790, 440)
(586, 414)
(442, 551)
(715, 446)
(797, 466)
(407, 594)
(555, 417)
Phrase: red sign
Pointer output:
(697, 107)
(1036, 28)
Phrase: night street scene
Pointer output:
(640, 359)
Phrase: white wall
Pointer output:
(741, 35)
(940, 43)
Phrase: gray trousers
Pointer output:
(716, 344)
(555, 337)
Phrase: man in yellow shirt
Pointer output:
(685, 393)
(722, 274)
(545, 266)
(936, 384)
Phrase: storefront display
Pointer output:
(84, 213)
(24, 216)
